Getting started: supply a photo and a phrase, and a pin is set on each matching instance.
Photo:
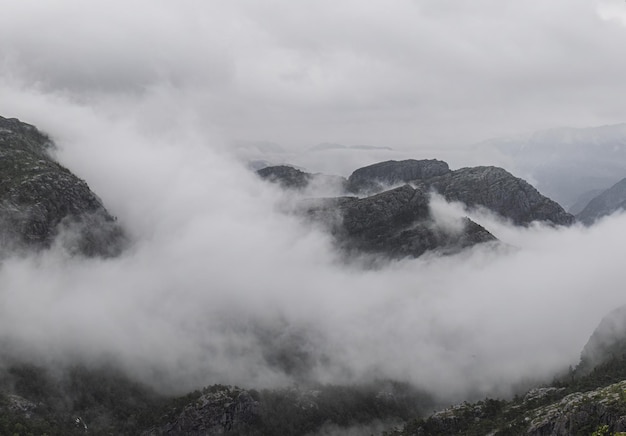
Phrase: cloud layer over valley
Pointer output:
(219, 285)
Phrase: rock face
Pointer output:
(39, 198)
(490, 187)
(396, 223)
(294, 179)
(608, 202)
(499, 191)
(286, 176)
(590, 399)
(226, 411)
(581, 413)
(374, 178)
(542, 412)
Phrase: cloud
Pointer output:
(219, 285)
(407, 74)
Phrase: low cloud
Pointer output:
(220, 286)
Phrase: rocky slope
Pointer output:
(380, 176)
(490, 187)
(39, 198)
(590, 398)
(101, 401)
(606, 203)
(396, 223)
(286, 176)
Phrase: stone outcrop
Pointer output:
(590, 399)
(499, 191)
(228, 410)
(39, 198)
(606, 203)
(380, 176)
(286, 176)
(581, 413)
(490, 187)
(395, 223)
(550, 413)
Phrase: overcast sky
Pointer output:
(144, 100)
(390, 73)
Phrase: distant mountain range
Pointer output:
(565, 163)
(605, 203)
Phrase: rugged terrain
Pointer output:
(395, 223)
(589, 398)
(389, 210)
(385, 211)
(39, 199)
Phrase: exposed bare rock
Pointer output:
(286, 176)
(377, 177)
(396, 223)
(499, 191)
(39, 198)
(228, 410)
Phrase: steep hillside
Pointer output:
(606, 203)
(395, 223)
(489, 187)
(102, 401)
(39, 198)
(590, 399)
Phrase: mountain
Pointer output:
(39, 198)
(396, 223)
(286, 176)
(375, 178)
(489, 187)
(583, 200)
(608, 202)
(565, 162)
(102, 401)
(607, 341)
(501, 192)
(589, 400)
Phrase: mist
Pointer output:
(219, 284)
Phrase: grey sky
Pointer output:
(399, 73)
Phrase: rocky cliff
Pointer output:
(39, 198)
